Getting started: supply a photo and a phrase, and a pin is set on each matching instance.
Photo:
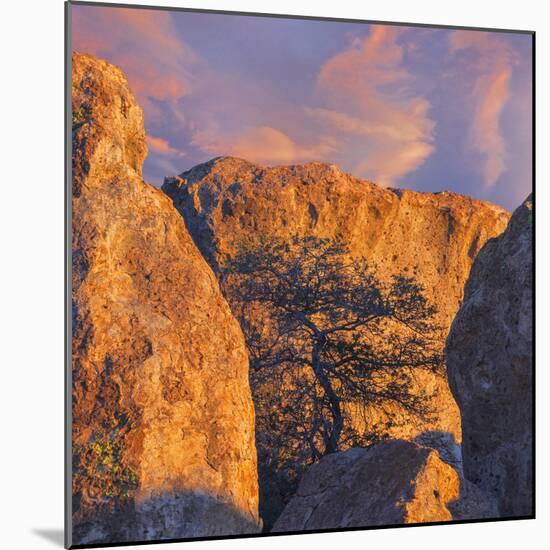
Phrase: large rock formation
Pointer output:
(431, 237)
(489, 357)
(390, 483)
(163, 421)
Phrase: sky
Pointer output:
(413, 107)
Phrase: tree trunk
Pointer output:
(334, 400)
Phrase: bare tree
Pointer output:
(325, 334)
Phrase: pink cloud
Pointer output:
(264, 145)
(490, 95)
(486, 133)
(366, 118)
(368, 95)
(144, 43)
(161, 146)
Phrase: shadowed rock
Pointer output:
(179, 515)
(489, 357)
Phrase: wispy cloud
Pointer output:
(264, 145)
(370, 98)
(161, 146)
(362, 115)
(365, 97)
(492, 68)
(144, 43)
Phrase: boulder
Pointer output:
(490, 367)
(390, 483)
(162, 415)
(434, 237)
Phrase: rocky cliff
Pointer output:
(163, 420)
(431, 237)
(490, 364)
(392, 482)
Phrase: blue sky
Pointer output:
(421, 108)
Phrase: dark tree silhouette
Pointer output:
(325, 335)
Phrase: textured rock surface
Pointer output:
(392, 482)
(473, 503)
(489, 356)
(433, 237)
(163, 421)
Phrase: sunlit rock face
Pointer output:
(393, 482)
(163, 420)
(490, 363)
(431, 237)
